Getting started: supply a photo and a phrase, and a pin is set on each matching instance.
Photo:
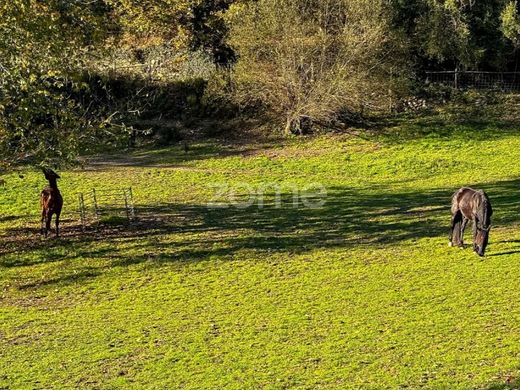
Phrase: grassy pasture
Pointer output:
(363, 292)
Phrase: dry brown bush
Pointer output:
(312, 59)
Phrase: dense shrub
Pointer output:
(311, 59)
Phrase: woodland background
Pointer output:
(82, 76)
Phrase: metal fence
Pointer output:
(98, 204)
(500, 81)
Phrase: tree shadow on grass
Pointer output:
(195, 232)
(62, 280)
(170, 157)
(389, 131)
(8, 218)
(434, 126)
(507, 384)
(348, 217)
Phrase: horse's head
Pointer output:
(481, 241)
(483, 221)
(484, 210)
(50, 174)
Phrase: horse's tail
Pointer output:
(456, 238)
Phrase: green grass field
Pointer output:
(363, 292)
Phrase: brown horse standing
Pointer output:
(51, 202)
(469, 204)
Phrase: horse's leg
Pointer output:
(57, 225)
(48, 219)
(455, 229)
(462, 228)
(42, 230)
(452, 227)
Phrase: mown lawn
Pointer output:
(363, 292)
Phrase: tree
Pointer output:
(308, 60)
(510, 23)
(452, 33)
(209, 31)
(42, 48)
(445, 33)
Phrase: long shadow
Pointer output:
(9, 218)
(409, 128)
(62, 280)
(349, 217)
(174, 156)
(413, 128)
(507, 384)
(504, 253)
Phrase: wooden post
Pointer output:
(82, 211)
(126, 205)
(131, 203)
(96, 211)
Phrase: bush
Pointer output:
(312, 59)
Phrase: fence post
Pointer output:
(96, 211)
(82, 211)
(132, 210)
(126, 205)
(456, 78)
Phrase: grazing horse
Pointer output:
(469, 204)
(51, 202)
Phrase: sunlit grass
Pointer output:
(361, 293)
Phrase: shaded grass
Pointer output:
(360, 293)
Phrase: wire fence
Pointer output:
(499, 81)
(105, 204)
(114, 207)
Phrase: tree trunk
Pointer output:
(300, 126)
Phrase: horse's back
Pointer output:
(467, 200)
(458, 196)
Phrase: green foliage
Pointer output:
(445, 32)
(209, 31)
(63, 64)
(41, 50)
(450, 33)
(195, 25)
(39, 123)
(511, 23)
(148, 22)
